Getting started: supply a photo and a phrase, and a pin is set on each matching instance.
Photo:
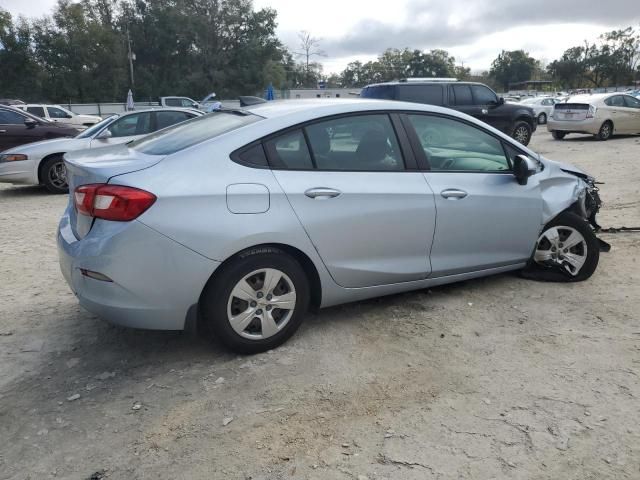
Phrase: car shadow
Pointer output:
(24, 191)
(588, 137)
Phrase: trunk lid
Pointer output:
(100, 165)
(570, 111)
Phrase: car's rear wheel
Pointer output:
(54, 175)
(558, 135)
(542, 118)
(605, 132)
(567, 250)
(522, 132)
(256, 301)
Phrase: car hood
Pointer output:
(56, 145)
(89, 117)
(567, 167)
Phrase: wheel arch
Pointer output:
(315, 285)
(43, 161)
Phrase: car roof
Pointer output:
(591, 97)
(425, 82)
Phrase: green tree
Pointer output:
(512, 67)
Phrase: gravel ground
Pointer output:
(493, 378)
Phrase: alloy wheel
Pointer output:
(261, 304)
(521, 134)
(57, 175)
(562, 247)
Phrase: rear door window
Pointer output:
(131, 125)
(462, 95)
(385, 92)
(289, 151)
(430, 94)
(37, 111)
(356, 143)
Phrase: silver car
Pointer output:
(245, 219)
(41, 163)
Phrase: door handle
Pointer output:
(322, 192)
(453, 193)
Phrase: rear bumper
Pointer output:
(23, 171)
(155, 283)
(589, 125)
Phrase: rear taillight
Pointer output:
(112, 202)
(591, 112)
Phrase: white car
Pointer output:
(41, 163)
(601, 115)
(542, 107)
(59, 114)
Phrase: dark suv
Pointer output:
(474, 99)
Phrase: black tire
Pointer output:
(605, 132)
(555, 273)
(542, 118)
(522, 132)
(216, 297)
(50, 175)
(558, 135)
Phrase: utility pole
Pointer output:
(131, 55)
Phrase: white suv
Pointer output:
(59, 114)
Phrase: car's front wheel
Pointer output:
(54, 175)
(522, 132)
(542, 118)
(567, 250)
(256, 301)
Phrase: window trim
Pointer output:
(302, 126)
(422, 157)
(23, 114)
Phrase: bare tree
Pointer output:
(309, 47)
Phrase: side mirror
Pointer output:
(68, 115)
(501, 101)
(523, 168)
(104, 134)
(30, 122)
(196, 105)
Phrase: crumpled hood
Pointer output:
(55, 145)
(561, 185)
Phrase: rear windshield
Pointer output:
(197, 130)
(386, 92)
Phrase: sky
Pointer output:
(473, 31)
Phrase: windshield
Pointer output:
(89, 132)
(386, 92)
(197, 130)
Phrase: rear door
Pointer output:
(485, 218)
(461, 99)
(14, 132)
(429, 94)
(370, 218)
(126, 129)
(621, 116)
(633, 106)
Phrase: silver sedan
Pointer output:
(245, 219)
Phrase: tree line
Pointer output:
(82, 53)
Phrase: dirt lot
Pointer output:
(487, 379)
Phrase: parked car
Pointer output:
(41, 163)
(58, 114)
(602, 115)
(18, 128)
(248, 217)
(542, 107)
(184, 102)
(474, 99)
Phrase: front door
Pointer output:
(485, 218)
(370, 219)
(14, 132)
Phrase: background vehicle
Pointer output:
(542, 107)
(601, 115)
(41, 163)
(18, 128)
(58, 114)
(474, 99)
(9, 101)
(250, 216)
(183, 102)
